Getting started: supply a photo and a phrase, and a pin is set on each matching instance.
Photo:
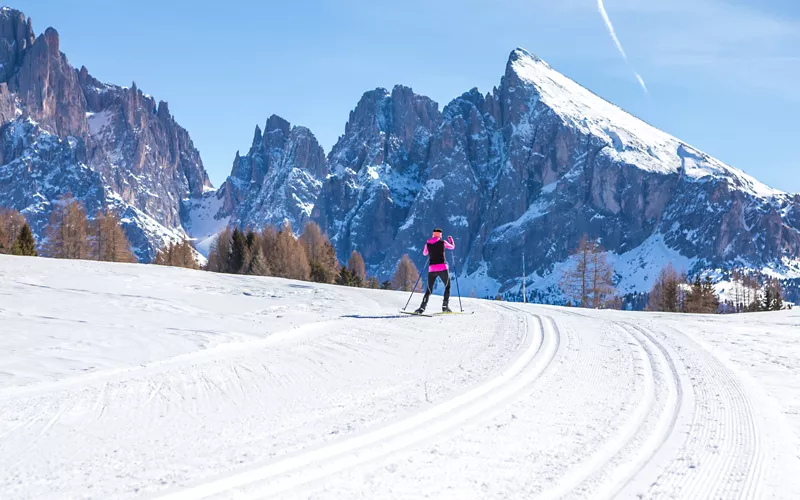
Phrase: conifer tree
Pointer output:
(777, 302)
(373, 283)
(4, 246)
(321, 254)
(258, 264)
(238, 252)
(406, 275)
(355, 264)
(386, 285)
(67, 235)
(666, 295)
(344, 278)
(219, 255)
(767, 303)
(110, 242)
(269, 245)
(710, 297)
(176, 254)
(291, 260)
(590, 280)
(25, 244)
(602, 277)
(11, 223)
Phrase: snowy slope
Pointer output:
(635, 142)
(129, 381)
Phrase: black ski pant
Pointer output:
(445, 277)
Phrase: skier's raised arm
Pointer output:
(450, 244)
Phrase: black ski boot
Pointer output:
(446, 310)
(419, 311)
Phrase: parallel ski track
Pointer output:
(721, 455)
(290, 472)
(612, 466)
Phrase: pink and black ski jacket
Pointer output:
(435, 247)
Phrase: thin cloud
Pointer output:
(614, 37)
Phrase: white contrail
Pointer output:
(613, 34)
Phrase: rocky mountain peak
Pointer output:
(258, 136)
(277, 123)
(117, 141)
(16, 36)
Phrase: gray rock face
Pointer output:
(532, 167)
(278, 180)
(71, 131)
(378, 168)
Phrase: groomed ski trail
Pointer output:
(289, 473)
(235, 387)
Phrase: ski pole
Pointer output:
(415, 285)
(457, 289)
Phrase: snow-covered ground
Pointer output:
(124, 381)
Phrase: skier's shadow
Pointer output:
(360, 316)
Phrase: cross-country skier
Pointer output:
(435, 248)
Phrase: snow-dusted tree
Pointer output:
(406, 275)
(67, 234)
(109, 241)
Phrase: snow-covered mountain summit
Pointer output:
(630, 139)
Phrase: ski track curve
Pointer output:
(508, 439)
(286, 474)
(720, 454)
(191, 418)
(688, 430)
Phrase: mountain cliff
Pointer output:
(62, 131)
(529, 167)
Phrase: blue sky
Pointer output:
(722, 74)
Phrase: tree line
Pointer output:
(751, 292)
(69, 234)
(309, 257)
(589, 282)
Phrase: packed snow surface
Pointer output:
(129, 381)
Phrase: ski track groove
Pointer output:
(312, 465)
(721, 457)
(654, 429)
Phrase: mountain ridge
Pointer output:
(540, 158)
(123, 142)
